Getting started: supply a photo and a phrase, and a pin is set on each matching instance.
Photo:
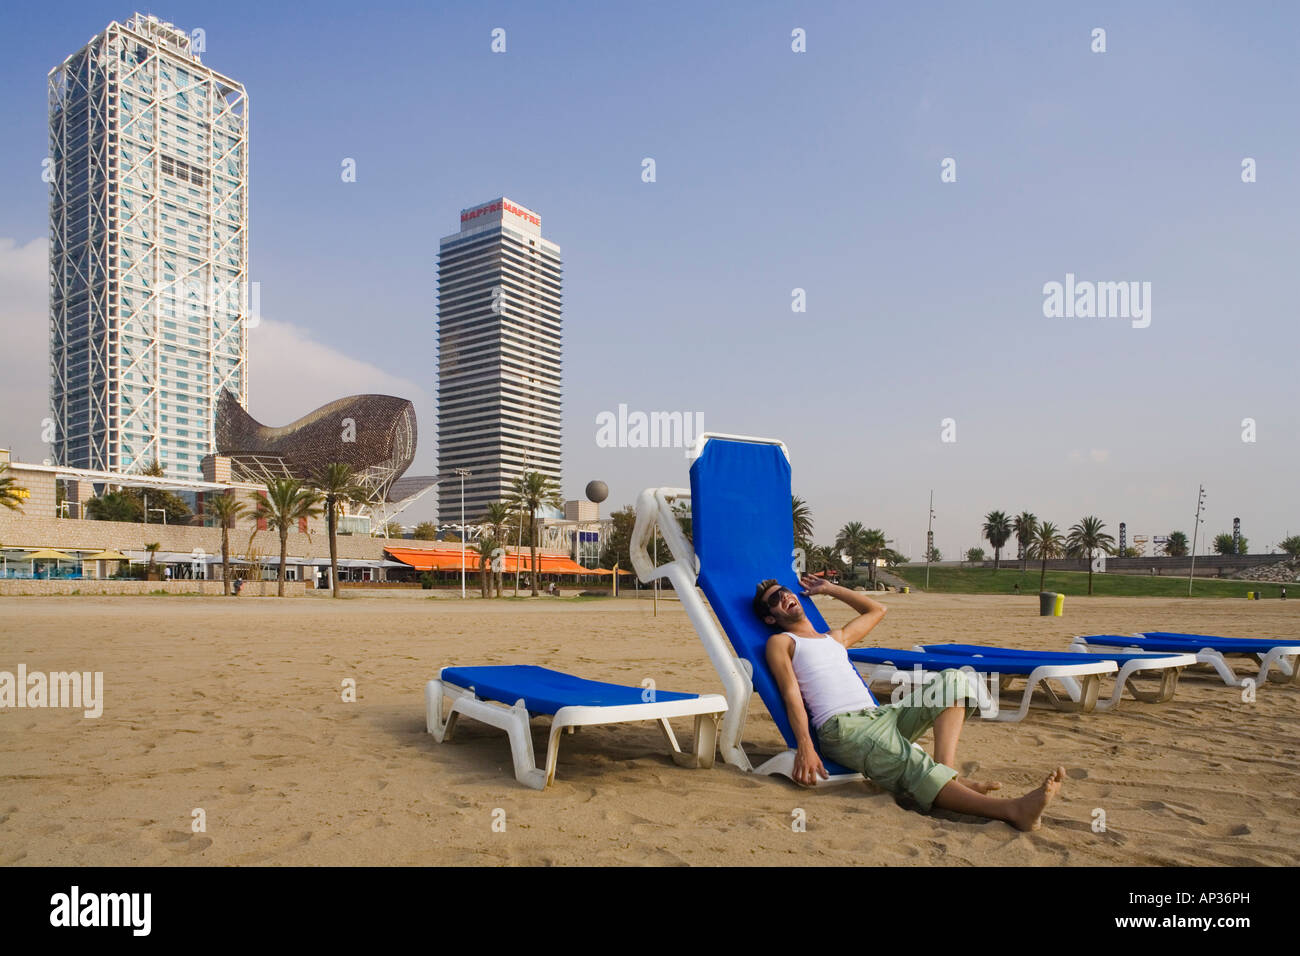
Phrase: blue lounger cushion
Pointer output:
(1046, 657)
(936, 662)
(1225, 645)
(545, 691)
(743, 532)
(1185, 643)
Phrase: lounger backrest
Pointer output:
(743, 532)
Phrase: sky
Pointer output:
(922, 358)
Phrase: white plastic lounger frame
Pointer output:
(515, 722)
(1287, 671)
(1083, 694)
(654, 510)
(1170, 666)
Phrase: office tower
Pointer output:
(499, 329)
(148, 249)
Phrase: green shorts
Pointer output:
(881, 742)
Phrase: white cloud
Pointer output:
(25, 356)
(1099, 455)
(290, 374)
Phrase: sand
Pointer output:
(234, 707)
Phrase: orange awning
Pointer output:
(449, 559)
(434, 559)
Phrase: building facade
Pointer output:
(148, 249)
(499, 356)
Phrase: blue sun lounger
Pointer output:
(1079, 677)
(1275, 657)
(507, 696)
(741, 533)
(1167, 666)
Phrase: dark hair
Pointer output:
(761, 607)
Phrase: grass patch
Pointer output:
(987, 581)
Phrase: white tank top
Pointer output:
(827, 679)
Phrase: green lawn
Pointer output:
(986, 581)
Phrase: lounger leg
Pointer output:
(1083, 695)
(434, 722)
(706, 742)
(706, 739)
(1168, 684)
(731, 742)
(1220, 664)
(552, 753)
(1287, 672)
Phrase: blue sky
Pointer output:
(777, 170)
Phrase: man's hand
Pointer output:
(807, 766)
(814, 585)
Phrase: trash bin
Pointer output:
(905, 589)
(1058, 609)
(1046, 603)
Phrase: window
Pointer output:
(178, 168)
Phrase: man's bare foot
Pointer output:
(979, 786)
(1028, 811)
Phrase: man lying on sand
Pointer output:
(816, 677)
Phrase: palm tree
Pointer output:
(1046, 543)
(152, 547)
(1024, 525)
(496, 516)
(1087, 536)
(1176, 546)
(803, 522)
(997, 529)
(114, 506)
(337, 486)
(852, 540)
(531, 491)
(11, 495)
(487, 543)
(286, 502)
(876, 544)
(227, 509)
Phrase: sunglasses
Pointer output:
(775, 597)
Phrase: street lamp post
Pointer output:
(929, 540)
(462, 472)
(1196, 525)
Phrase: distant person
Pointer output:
(823, 691)
(1283, 595)
(1017, 588)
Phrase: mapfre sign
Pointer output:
(499, 206)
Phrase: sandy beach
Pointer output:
(235, 707)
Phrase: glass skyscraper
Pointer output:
(148, 249)
(499, 336)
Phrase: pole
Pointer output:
(656, 582)
(929, 540)
(519, 544)
(462, 533)
(1196, 525)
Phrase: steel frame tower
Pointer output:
(148, 249)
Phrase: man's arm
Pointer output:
(870, 612)
(807, 765)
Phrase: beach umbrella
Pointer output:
(106, 556)
(48, 554)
